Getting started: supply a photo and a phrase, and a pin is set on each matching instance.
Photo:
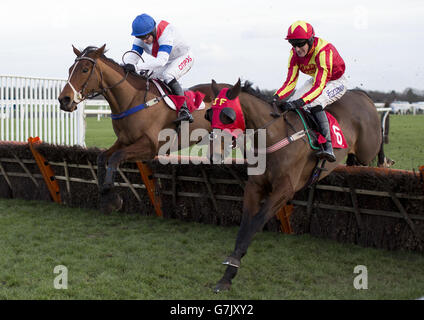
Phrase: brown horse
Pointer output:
(289, 169)
(137, 135)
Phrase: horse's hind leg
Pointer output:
(383, 161)
(253, 220)
(351, 160)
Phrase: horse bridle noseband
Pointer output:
(78, 95)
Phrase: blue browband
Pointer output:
(118, 116)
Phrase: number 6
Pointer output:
(336, 131)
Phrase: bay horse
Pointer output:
(288, 169)
(93, 74)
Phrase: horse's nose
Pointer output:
(65, 103)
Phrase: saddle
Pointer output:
(194, 99)
(316, 140)
(311, 126)
(315, 137)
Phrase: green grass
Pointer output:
(125, 256)
(406, 139)
(99, 134)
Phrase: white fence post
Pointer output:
(29, 106)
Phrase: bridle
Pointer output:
(78, 95)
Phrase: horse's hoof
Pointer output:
(111, 202)
(105, 189)
(222, 286)
(106, 209)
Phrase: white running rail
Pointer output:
(29, 108)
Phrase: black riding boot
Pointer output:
(184, 114)
(322, 121)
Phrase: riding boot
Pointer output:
(184, 113)
(321, 118)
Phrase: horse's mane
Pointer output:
(263, 95)
(90, 49)
(134, 78)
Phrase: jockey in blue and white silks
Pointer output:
(171, 57)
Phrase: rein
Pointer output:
(286, 140)
(78, 95)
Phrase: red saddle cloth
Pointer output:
(193, 98)
(337, 137)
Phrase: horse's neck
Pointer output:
(120, 97)
(256, 112)
(257, 116)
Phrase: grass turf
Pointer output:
(138, 257)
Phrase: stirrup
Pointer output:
(184, 116)
(323, 154)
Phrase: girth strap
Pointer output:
(118, 116)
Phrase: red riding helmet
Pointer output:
(300, 30)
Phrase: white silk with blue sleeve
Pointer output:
(174, 57)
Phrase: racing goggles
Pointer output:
(144, 37)
(298, 42)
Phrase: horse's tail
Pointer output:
(383, 161)
(385, 123)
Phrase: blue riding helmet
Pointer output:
(142, 25)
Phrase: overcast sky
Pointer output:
(381, 42)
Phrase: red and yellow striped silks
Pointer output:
(323, 63)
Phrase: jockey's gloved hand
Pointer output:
(129, 67)
(145, 73)
(275, 104)
(292, 105)
(276, 101)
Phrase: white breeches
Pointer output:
(174, 69)
(333, 91)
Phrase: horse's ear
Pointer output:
(76, 51)
(215, 88)
(99, 52)
(102, 49)
(234, 91)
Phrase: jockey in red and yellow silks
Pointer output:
(323, 63)
(319, 59)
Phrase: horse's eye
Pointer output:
(85, 70)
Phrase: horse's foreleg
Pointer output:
(253, 220)
(253, 194)
(102, 159)
(141, 150)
